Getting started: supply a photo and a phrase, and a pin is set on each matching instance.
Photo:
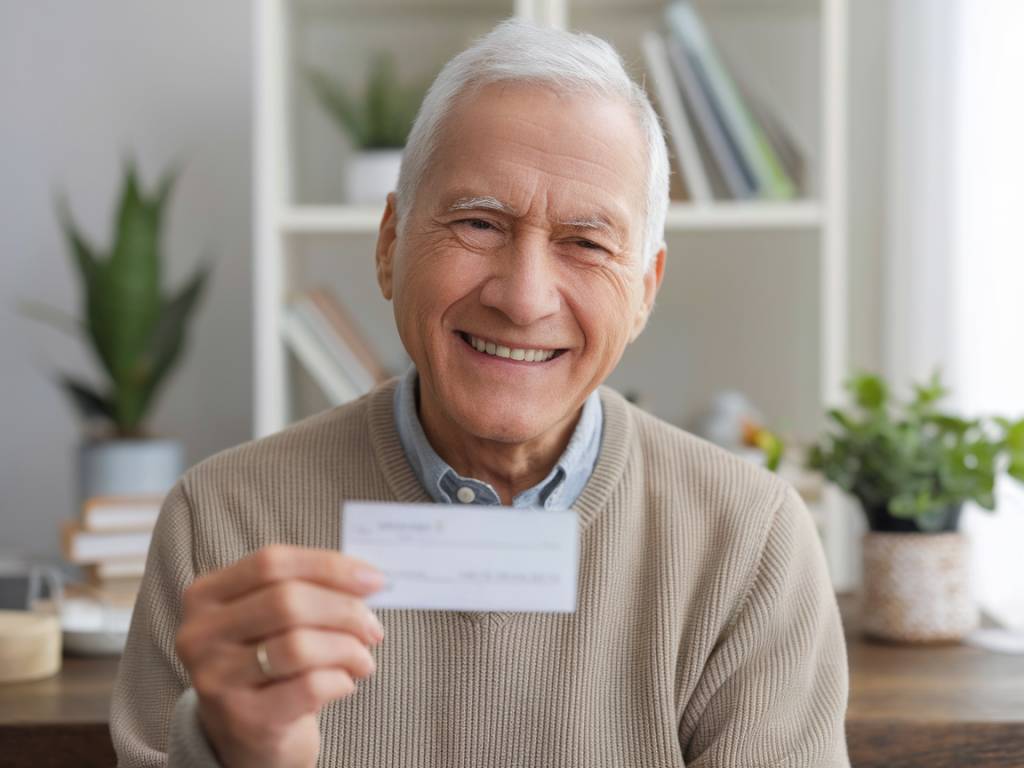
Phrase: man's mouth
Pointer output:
(521, 354)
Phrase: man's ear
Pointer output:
(652, 282)
(387, 238)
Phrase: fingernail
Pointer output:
(369, 577)
(376, 629)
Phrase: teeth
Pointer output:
(527, 355)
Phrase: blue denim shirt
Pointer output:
(558, 490)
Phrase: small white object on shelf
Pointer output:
(371, 174)
(93, 628)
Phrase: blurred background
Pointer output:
(846, 178)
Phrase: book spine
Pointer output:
(103, 519)
(345, 358)
(120, 571)
(675, 117)
(771, 179)
(84, 548)
(333, 310)
(307, 349)
(736, 178)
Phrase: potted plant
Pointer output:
(137, 333)
(912, 467)
(378, 126)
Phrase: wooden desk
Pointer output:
(948, 706)
(937, 707)
(62, 720)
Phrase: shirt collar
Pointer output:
(558, 490)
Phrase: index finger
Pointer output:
(280, 562)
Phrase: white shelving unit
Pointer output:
(802, 45)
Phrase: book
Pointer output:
(787, 148)
(669, 99)
(84, 547)
(341, 354)
(303, 342)
(114, 570)
(735, 176)
(771, 179)
(121, 595)
(118, 513)
(346, 328)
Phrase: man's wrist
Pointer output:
(188, 745)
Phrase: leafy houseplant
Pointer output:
(911, 465)
(137, 332)
(377, 123)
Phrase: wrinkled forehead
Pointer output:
(528, 145)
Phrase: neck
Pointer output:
(510, 468)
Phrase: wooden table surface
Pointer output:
(939, 706)
(949, 706)
(60, 720)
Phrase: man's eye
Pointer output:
(480, 224)
(590, 245)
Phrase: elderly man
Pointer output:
(522, 253)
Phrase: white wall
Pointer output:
(81, 86)
(988, 273)
(954, 262)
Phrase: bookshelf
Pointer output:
(755, 292)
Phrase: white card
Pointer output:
(466, 558)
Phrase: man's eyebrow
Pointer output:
(597, 221)
(489, 203)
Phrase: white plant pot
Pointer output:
(371, 174)
(916, 587)
(143, 467)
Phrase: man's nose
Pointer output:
(524, 286)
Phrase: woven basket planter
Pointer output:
(916, 587)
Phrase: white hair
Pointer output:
(570, 62)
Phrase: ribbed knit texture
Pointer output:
(706, 632)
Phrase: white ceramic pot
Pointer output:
(144, 467)
(917, 587)
(371, 174)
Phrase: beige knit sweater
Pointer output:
(706, 634)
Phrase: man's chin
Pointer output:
(504, 431)
(512, 424)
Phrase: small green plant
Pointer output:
(136, 332)
(911, 460)
(383, 117)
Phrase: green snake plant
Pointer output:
(379, 118)
(136, 329)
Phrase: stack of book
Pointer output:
(727, 144)
(109, 542)
(327, 342)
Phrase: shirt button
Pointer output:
(465, 494)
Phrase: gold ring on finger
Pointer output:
(264, 660)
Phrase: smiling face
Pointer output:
(518, 281)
